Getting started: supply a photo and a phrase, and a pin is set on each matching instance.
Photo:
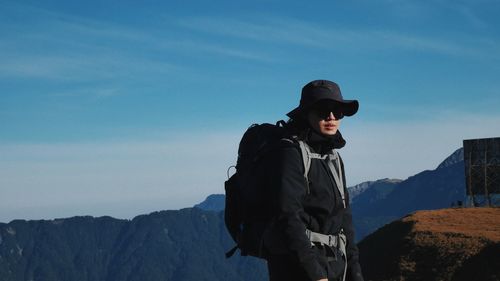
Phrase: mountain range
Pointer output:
(387, 200)
(190, 244)
(187, 244)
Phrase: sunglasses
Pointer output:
(324, 112)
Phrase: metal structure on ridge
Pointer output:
(482, 170)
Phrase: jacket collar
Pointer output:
(324, 144)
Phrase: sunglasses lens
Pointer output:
(325, 112)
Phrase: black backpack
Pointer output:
(248, 211)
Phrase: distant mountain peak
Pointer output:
(214, 202)
(358, 189)
(455, 157)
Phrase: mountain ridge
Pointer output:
(454, 158)
(164, 245)
(446, 244)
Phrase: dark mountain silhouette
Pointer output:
(170, 245)
(214, 202)
(379, 188)
(454, 158)
(448, 245)
(365, 217)
(428, 190)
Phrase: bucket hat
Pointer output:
(323, 91)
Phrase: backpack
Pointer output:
(248, 212)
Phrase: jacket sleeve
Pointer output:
(291, 189)
(353, 268)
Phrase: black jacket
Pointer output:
(320, 211)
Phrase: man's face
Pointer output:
(325, 119)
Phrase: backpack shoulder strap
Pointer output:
(306, 159)
(336, 169)
(307, 155)
(333, 164)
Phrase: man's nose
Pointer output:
(330, 116)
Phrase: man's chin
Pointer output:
(329, 132)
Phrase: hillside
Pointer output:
(448, 244)
(375, 189)
(167, 245)
(386, 201)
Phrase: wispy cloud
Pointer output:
(91, 94)
(81, 66)
(70, 47)
(58, 46)
(64, 52)
(471, 16)
(284, 30)
(395, 40)
(40, 23)
(302, 33)
(200, 47)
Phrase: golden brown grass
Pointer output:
(472, 222)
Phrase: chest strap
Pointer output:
(329, 240)
(338, 241)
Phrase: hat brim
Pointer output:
(349, 108)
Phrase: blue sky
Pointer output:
(124, 107)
